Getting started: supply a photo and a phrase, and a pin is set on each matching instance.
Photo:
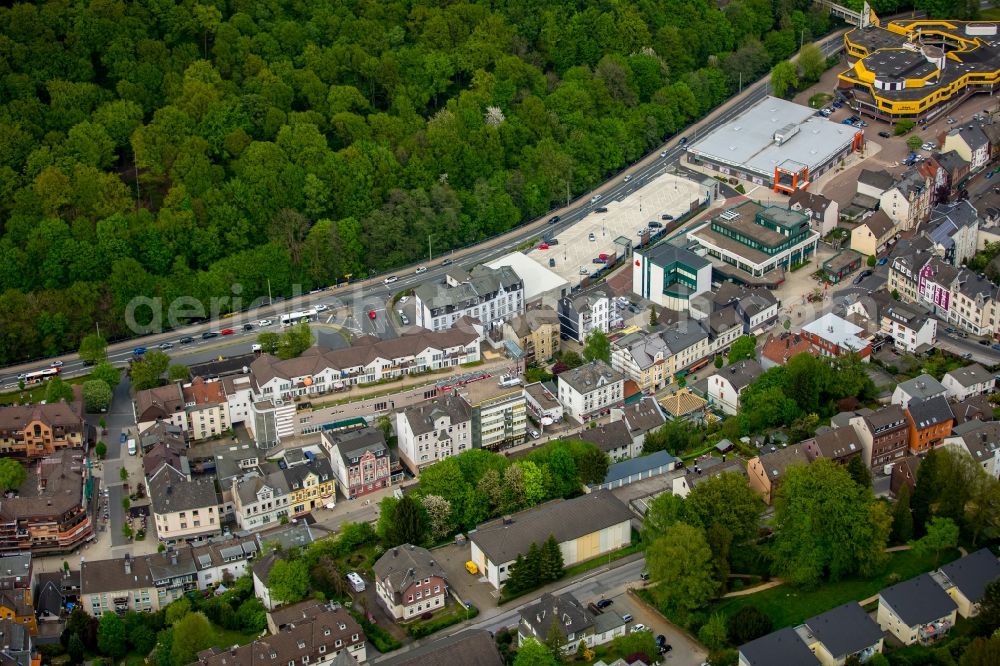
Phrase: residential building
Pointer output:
(871, 237)
(971, 144)
(977, 407)
(491, 295)
(916, 610)
(206, 408)
(16, 606)
(48, 515)
(784, 647)
(311, 485)
(183, 508)
(670, 276)
(779, 349)
(36, 431)
(162, 404)
(874, 183)
(540, 399)
(367, 360)
(260, 501)
(260, 570)
(536, 333)
(831, 335)
(755, 239)
(17, 647)
(325, 636)
(499, 414)
(966, 382)
(613, 439)
(590, 390)
(824, 213)
(652, 359)
(15, 571)
(161, 432)
(164, 455)
(974, 305)
(706, 469)
(965, 579)
(360, 460)
(954, 230)
(758, 308)
(53, 591)
(433, 430)
(833, 637)
(409, 582)
(920, 387)
(766, 470)
(909, 328)
(904, 472)
(930, 421)
(117, 585)
(572, 620)
(908, 201)
(724, 327)
(585, 527)
(981, 441)
(956, 169)
(633, 470)
(838, 445)
(884, 435)
(594, 309)
(473, 646)
(641, 417)
(725, 386)
(222, 560)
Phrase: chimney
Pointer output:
(173, 557)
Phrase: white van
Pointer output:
(131, 447)
(356, 581)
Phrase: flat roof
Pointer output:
(536, 278)
(748, 140)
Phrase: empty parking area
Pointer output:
(573, 257)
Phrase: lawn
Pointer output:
(36, 393)
(789, 606)
(225, 638)
(991, 14)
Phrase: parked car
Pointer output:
(837, 104)
(552, 241)
(866, 273)
(883, 261)
(598, 260)
(591, 237)
(186, 340)
(227, 331)
(655, 225)
(552, 262)
(208, 335)
(995, 346)
(583, 270)
(403, 299)
(554, 219)
(638, 627)
(403, 318)
(602, 209)
(663, 153)
(885, 135)
(543, 246)
(627, 617)
(534, 434)
(371, 315)
(666, 216)
(604, 603)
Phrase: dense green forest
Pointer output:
(168, 149)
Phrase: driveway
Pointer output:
(469, 588)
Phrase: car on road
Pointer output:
(604, 603)
(995, 346)
(207, 335)
(883, 261)
(628, 178)
(447, 262)
(984, 342)
(683, 141)
(187, 339)
(859, 279)
(390, 279)
(950, 120)
(264, 322)
(403, 299)
(885, 135)
(371, 315)
(638, 627)
(627, 617)
(247, 327)
(591, 237)
(420, 269)
(227, 331)
(866, 273)
(552, 241)
(56, 364)
(139, 351)
(165, 345)
(321, 307)
(663, 153)
(596, 198)
(554, 219)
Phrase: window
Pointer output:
(322, 649)
(338, 643)
(354, 637)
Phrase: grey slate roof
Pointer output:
(626, 468)
(972, 573)
(468, 648)
(922, 386)
(464, 290)
(406, 564)
(643, 415)
(170, 491)
(951, 161)
(353, 443)
(838, 443)
(929, 412)
(975, 287)
(422, 416)
(588, 376)
(974, 407)
(295, 476)
(774, 463)
(565, 519)
(723, 320)
(609, 437)
(973, 136)
(845, 629)
(878, 179)
(981, 439)
(99, 576)
(572, 617)
(919, 600)
(889, 417)
(644, 347)
(780, 647)
(665, 254)
(683, 335)
(742, 374)
(971, 375)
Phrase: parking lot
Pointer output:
(580, 244)
(470, 588)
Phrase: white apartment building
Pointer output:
(432, 431)
(908, 328)
(182, 508)
(259, 501)
(908, 201)
(591, 390)
(491, 295)
(966, 382)
(499, 414)
(590, 310)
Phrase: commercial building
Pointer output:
(831, 335)
(776, 143)
(360, 460)
(499, 414)
(912, 68)
(590, 390)
(491, 295)
(970, 142)
(48, 515)
(633, 470)
(842, 264)
(410, 582)
(433, 430)
(670, 276)
(750, 240)
(311, 484)
(36, 431)
(182, 508)
(585, 527)
(260, 501)
(541, 285)
(652, 359)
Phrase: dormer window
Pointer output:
(326, 632)
(322, 649)
(342, 626)
(302, 645)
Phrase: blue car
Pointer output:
(123, 439)
(139, 351)
(883, 261)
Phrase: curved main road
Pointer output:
(351, 304)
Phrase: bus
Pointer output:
(39, 376)
(293, 318)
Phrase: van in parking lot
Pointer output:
(356, 581)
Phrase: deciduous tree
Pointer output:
(12, 474)
(56, 390)
(192, 634)
(902, 516)
(679, 562)
(288, 581)
(743, 347)
(942, 533)
(597, 347)
(811, 62)
(96, 395)
(784, 78)
(93, 349)
(111, 639)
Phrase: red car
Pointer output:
(371, 315)
(543, 246)
(227, 331)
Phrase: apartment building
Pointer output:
(725, 386)
(909, 328)
(872, 236)
(536, 333)
(953, 228)
(930, 423)
(831, 335)
(766, 470)
(183, 508)
(311, 485)
(433, 430)
(963, 383)
(360, 460)
(260, 501)
(971, 144)
(884, 435)
(410, 582)
(491, 295)
(824, 213)
(36, 431)
(499, 414)
(589, 310)
(908, 201)
(590, 390)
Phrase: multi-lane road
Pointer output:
(349, 305)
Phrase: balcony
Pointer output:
(934, 631)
